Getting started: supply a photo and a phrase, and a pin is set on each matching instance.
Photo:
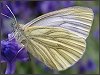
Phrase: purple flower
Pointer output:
(47, 6)
(96, 33)
(82, 69)
(95, 10)
(88, 65)
(11, 52)
(47, 68)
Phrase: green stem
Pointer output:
(32, 64)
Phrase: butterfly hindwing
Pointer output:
(54, 46)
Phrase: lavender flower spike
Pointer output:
(11, 52)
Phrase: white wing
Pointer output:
(59, 48)
(76, 19)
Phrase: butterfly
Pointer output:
(58, 38)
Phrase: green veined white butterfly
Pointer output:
(58, 38)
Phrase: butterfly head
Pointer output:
(15, 25)
(21, 27)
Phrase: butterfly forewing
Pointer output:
(77, 20)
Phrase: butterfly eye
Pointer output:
(21, 29)
(12, 25)
(23, 41)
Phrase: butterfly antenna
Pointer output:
(12, 14)
(6, 16)
(16, 23)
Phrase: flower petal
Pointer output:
(22, 55)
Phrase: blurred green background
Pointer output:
(25, 11)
